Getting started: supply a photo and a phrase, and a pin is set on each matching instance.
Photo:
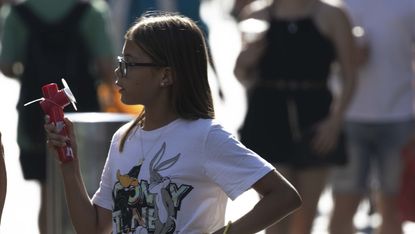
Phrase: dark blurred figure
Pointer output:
(3, 178)
(381, 116)
(293, 118)
(42, 42)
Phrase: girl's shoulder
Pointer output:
(122, 130)
(203, 128)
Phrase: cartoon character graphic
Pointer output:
(124, 190)
(148, 206)
(164, 206)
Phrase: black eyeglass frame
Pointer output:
(123, 65)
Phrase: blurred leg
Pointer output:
(390, 168)
(344, 209)
(388, 208)
(350, 182)
(310, 184)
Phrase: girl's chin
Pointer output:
(128, 102)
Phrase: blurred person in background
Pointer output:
(293, 119)
(46, 40)
(381, 117)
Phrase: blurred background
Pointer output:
(23, 197)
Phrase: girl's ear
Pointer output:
(167, 78)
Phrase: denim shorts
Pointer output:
(374, 160)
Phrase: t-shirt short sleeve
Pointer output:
(103, 196)
(231, 165)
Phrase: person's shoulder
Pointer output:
(207, 124)
(98, 7)
(218, 130)
(334, 15)
(8, 11)
(332, 8)
(201, 127)
(197, 124)
(256, 10)
(122, 130)
(97, 15)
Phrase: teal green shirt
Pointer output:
(94, 27)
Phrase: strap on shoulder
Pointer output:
(32, 21)
(75, 15)
(36, 24)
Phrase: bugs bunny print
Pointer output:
(164, 206)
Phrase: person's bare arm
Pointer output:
(345, 46)
(253, 43)
(279, 199)
(86, 217)
(340, 32)
(7, 70)
(3, 178)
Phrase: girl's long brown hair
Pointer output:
(177, 42)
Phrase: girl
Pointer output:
(174, 167)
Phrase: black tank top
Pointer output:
(297, 51)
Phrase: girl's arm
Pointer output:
(85, 216)
(279, 199)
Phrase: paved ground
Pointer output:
(22, 203)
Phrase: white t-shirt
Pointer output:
(385, 89)
(176, 179)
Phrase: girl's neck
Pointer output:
(157, 120)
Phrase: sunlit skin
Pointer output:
(148, 86)
(141, 83)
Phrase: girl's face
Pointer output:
(138, 77)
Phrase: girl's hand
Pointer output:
(54, 139)
(326, 137)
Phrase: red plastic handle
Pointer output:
(53, 105)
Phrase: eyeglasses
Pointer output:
(123, 65)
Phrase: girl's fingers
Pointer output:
(69, 126)
(53, 136)
(55, 143)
